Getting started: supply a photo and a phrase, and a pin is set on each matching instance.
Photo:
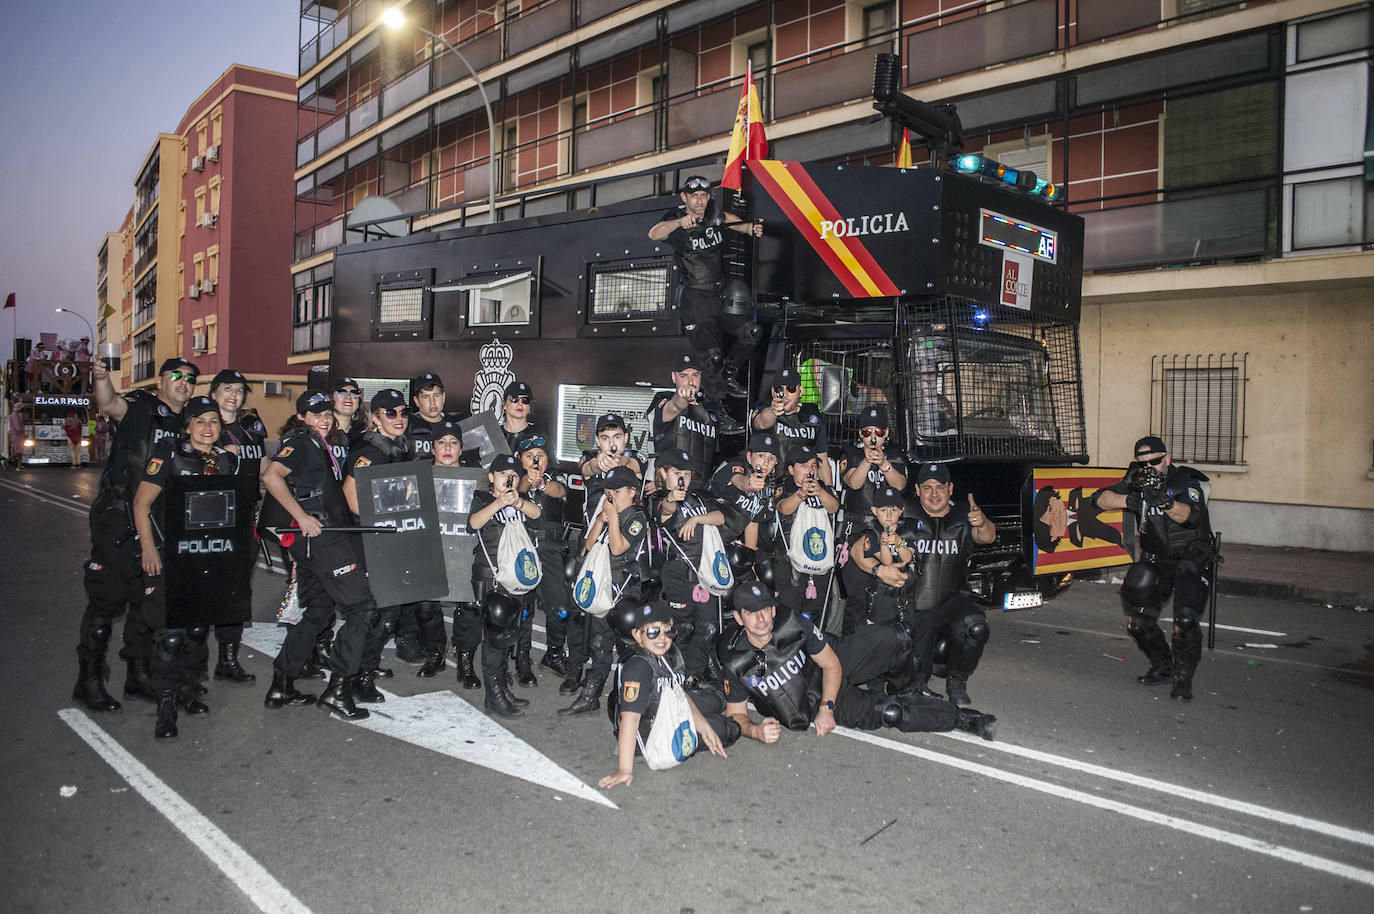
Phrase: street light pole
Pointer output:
(395, 19)
(89, 329)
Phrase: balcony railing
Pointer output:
(143, 370)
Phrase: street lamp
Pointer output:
(394, 19)
(91, 338)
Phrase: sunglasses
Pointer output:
(521, 398)
(761, 662)
(653, 632)
(1156, 462)
(790, 388)
(872, 430)
(187, 376)
(349, 392)
(394, 412)
(536, 441)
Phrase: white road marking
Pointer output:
(1188, 793)
(1267, 848)
(251, 878)
(64, 504)
(443, 722)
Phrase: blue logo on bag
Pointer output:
(585, 591)
(721, 569)
(684, 741)
(813, 544)
(526, 568)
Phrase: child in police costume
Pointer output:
(804, 591)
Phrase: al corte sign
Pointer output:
(1017, 270)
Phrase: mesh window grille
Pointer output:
(1197, 405)
(629, 291)
(402, 306)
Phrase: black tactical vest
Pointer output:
(1161, 536)
(125, 467)
(782, 688)
(943, 548)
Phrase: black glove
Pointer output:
(1158, 498)
(1134, 502)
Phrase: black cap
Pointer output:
(936, 471)
(448, 427)
(693, 183)
(1150, 444)
(197, 406)
(530, 443)
(425, 382)
(687, 362)
(178, 364)
(610, 420)
(633, 616)
(874, 416)
(340, 383)
(888, 497)
(519, 389)
(675, 457)
(750, 598)
(228, 376)
(787, 377)
(387, 398)
(503, 462)
(313, 401)
(800, 453)
(619, 478)
(763, 443)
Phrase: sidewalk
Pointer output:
(1344, 579)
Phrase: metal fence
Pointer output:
(1197, 405)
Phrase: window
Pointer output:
(510, 163)
(200, 204)
(311, 308)
(214, 195)
(211, 334)
(401, 306)
(212, 264)
(1197, 406)
(628, 292)
(877, 23)
(499, 300)
(217, 128)
(404, 303)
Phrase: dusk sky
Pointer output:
(85, 87)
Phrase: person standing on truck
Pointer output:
(1176, 556)
(865, 468)
(945, 534)
(716, 315)
(114, 573)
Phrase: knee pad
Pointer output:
(741, 557)
(100, 634)
(502, 611)
(749, 333)
(1144, 586)
(1137, 624)
(198, 633)
(1184, 625)
(977, 631)
(170, 644)
(763, 567)
(941, 651)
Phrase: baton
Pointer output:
(1212, 600)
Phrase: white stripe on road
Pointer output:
(79, 507)
(1229, 628)
(1267, 848)
(245, 872)
(1240, 806)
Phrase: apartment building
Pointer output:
(1216, 150)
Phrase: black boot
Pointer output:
(166, 726)
(572, 680)
(228, 666)
(727, 425)
(499, 700)
(365, 688)
(434, 663)
(730, 383)
(956, 691)
(525, 669)
(338, 699)
(1159, 671)
(1183, 687)
(467, 675)
(977, 723)
(589, 699)
(317, 667)
(139, 681)
(283, 692)
(90, 685)
(408, 650)
(188, 702)
(555, 662)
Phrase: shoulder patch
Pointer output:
(814, 418)
(258, 427)
(162, 410)
(153, 466)
(635, 527)
(186, 447)
(362, 462)
(1195, 494)
(630, 691)
(286, 451)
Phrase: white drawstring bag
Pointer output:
(713, 571)
(592, 591)
(811, 542)
(517, 564)
(673, 735)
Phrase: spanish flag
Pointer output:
(904, 150)
(747, 142)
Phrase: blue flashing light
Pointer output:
(980, 316)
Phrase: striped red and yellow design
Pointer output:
(802, 201)
(1094, 553)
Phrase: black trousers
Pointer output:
(179, 654)
(697, 621)
(422, 623)
(803, 593)
(554, 595)
(114, 586)
(879, 652)
(329, 579)
(1188, 581)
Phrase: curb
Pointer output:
(1274, 590)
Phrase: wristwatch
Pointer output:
(830, 706)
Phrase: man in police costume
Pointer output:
(944, 535)
(113, 574)
(794, 422)
(1176, 553)
(680, 420)
(795, 678)
(717, 316)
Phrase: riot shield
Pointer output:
(482, 434)
(208, 548)
(407, 567)
(453, 488)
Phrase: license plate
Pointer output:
(38, 460)
(1022, 600)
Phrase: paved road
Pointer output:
(1098, 794)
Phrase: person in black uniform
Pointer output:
(1176, 555)
(679, 513)
(349, 416)
(305, 481)
(621, 521)
(420, 636)
(796, 678)
(516, 408)
(467, 617)
(804, 591)
(653, 665)
(489, 513)
(113, 576)
(243, 434)
(179, 652)
(553, 593)
(794, 422)
(612, 450)
(945, 533)
(866, 467)
(745, 488)
(718, 321)
(678, 420)
(384, 442)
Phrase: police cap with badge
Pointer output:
(228, 376)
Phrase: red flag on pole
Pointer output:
(747, 141)
(9, 302)
(904, 151)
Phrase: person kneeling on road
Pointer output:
(794, 677)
